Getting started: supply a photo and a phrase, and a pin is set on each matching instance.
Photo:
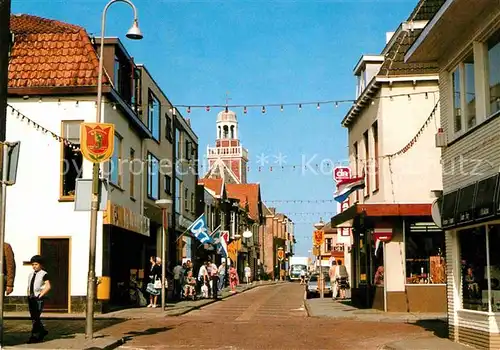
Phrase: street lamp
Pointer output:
(319, 226)
(133, 33)
(164, 204)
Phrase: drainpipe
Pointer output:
(385, 276)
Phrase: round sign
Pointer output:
(341, 173)
(281, 254)
(247, 234)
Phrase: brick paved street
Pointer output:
(270, 317)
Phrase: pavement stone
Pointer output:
(425, 343)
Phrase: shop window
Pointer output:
(378, 263)
(474, 268)
(362, 268)
(425, 249)
(71, 158)
(494, 243)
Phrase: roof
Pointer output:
(219, 170)
(215, 185)
(50, 53)
(426, 10)
(248, 194)
(226, 116)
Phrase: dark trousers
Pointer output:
(177, 289)
(215, 286)
(36, 307)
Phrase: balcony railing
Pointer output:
(227, 151)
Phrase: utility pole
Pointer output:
(5, 42)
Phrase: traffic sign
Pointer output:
(341, 173)
(318, 237)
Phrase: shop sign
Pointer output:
(341, 173)
(383, 234)
(125, 218)
(449, 206)
(465, 205)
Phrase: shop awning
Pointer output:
(374, 210)
(473, 203)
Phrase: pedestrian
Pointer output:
(214, 280)
(342, 279)
(9, 268)
(154, 287)
(233, 279)
(38, 287)
(177, 281)
(303, 276)
(202, 276)
(222, 275)
(334, 275)
(248, 274)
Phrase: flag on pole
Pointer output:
(348, 186)
(220, 239)
(199, 230)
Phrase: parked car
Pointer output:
(312, 285)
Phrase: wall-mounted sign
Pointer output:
(382, 234)
(485, 197)
(125, 218)
(281, 254)
(97, 141)
(341, 173)
(448, 209)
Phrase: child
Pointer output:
(38, 287)
(204, 290)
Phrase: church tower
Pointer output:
(228, 159)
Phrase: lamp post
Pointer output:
(164, 204)
(135, 34)
(319, 226)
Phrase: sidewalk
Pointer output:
(66, 330)
(434, 323)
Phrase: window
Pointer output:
(178, 143)
(168, 128)
(71, 160)
(367, 159)
(193, 204)
(116, 74)
(356, 157)
(154, 115)
(187, 146)
(376, 169)
(115, 163)
(494, 243)
(464, 95)
(136, 99)
(153, 177)
(425, 248)
(186, 199)
(473, 266)
(132, 173)
(178, 193)
(167, 184)
(494, 72)
(328, 245)
(457, 104)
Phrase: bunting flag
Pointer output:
(348, 186)
(199, 230)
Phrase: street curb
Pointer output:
(85, 345)
(306, 306)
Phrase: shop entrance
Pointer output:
(55, 253)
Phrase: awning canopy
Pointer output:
(380, 210)
(473, 203)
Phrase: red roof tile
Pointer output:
(214, 185)
(50, 53)
(248, 194)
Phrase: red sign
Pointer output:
(281, 254)
(319, 237)
(382, 234)
(97, 141)
(341, 173)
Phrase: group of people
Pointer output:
(208, 283)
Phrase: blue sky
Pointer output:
(260, 52)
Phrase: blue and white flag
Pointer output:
(199, 230)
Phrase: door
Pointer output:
(55, 253)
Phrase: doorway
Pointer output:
(55, 252)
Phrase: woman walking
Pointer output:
(233, 279)
(154, 286)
